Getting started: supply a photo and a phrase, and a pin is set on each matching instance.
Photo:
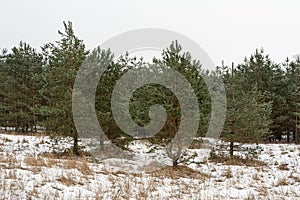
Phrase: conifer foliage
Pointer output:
(36, 93)
(63, 60)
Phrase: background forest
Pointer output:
(36, 92)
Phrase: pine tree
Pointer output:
(248, 116)
(63, 59)
(268, 79)
(182, 62)
(115, 70)
(19, 88)
(293, 97)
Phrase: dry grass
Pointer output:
(84, 167)
(25, 141)
(70, 163)
(35, 161)
(52, 162)
(179, 183)
(11, 175)
(197, 144)
(9, 160)
(81, 165)
(68, 181)
(38, 134)
(296, 178)
(256, 177)
(235, 160)
(5, 139)
(67, 154)
(283, 166)
(228, 173)
(178, 172)
(263, 191)
(282, 182)
(250, 197)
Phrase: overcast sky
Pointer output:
(227, 30)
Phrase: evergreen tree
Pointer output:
(248, 115)
(293, 97)
(268, 79)
(182, 62)
(63, 59)
(115, 70)
(19, 85)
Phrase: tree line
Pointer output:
(36, 92)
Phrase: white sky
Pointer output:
(226, 29)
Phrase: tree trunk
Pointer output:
(279, 137)
(5, 121)
(233, 108)
(231, 149)
(102, 142)
(175, 162)
(75, 144)
(34, 122)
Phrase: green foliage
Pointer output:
(36, 91)
(152, 94)
(248, 121)
(270, 80)
(20, 80)
(114, 71)
(62, 59)
(248, 109)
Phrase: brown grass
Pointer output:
(11, 175)
(67, 154)
(35, 161)
(70, 164)
(24, 140)
(178, 172)
(68, 181)
(236, 160)
(39, 134)
(5, 139)
(292, 176)
(51, 162)
(282, 182)
(84, 167)
(197, 144)
(263, 191)
(283, 166)
(81, 165)
(10, 160)
(228, 173)
(256, 177)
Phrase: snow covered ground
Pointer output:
(28, 170)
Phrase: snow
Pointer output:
(26, 172)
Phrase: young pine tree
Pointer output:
(248, 116)
(63, 60)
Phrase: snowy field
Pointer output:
(29, 170)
